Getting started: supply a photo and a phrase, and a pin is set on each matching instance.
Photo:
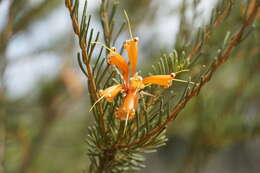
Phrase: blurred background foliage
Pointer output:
(43, 97)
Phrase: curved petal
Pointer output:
(131, 47)
(163, 80)
(116, 59)
(111, 92)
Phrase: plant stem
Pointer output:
(85, 55)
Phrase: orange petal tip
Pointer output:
(111, 92)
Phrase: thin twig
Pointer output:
(195, 50)
(86, 58)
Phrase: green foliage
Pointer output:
(51, 120)
(113, 145)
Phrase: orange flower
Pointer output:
(133, 83)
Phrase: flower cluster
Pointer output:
(132, 82)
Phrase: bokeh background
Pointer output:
(44, 103)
